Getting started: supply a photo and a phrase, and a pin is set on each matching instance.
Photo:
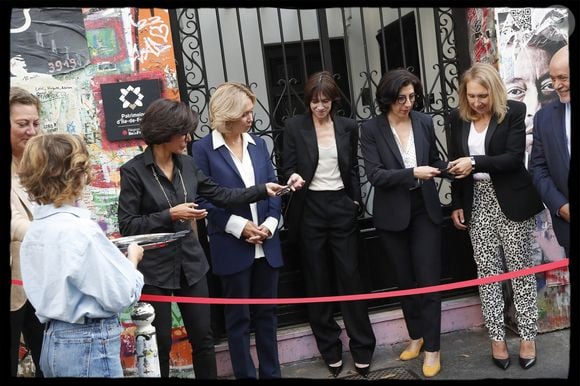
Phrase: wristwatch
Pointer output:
(472, 162)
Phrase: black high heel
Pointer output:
(363, 371)
(526, 363)
(501, 363)
(334, 370)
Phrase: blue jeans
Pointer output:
(92, 349)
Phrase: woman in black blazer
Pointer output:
(401, 159)
(494, 199)
(158, 188)
(322, 148)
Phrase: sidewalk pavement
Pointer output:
(465, 355)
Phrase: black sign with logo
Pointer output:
(124, 104)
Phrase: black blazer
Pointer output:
(387, 173)
(504, 161)
(144, 209)
(300, 155)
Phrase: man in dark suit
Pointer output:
(550, 161)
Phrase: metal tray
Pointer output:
(149, 241)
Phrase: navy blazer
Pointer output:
(387, 173)
(504, 161)
(550, 163)
(300, 155)
(229, 254)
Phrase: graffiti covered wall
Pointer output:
(482, 41)
(527, 39)
(65, 56)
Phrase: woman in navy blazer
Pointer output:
(494, 199)
(243, 240)
(401, 159)
(321, 147)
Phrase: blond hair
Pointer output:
(227, 105)
(487, 76)
(55, 168)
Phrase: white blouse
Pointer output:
(476, 144)
(408, 153)
(327, 174)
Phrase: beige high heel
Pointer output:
(434, 369)
(409, 353)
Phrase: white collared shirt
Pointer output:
(236, 224)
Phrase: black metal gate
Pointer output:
(357, 45)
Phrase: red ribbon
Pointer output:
(342, 298)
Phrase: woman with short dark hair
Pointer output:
(321, 146)
(401, 158)
(158, 189)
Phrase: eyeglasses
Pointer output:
(402, 99)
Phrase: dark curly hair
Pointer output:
(165, 118)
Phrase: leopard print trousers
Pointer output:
(491, 232)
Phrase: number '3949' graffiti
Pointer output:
(58, 65)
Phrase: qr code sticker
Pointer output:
(522, 18)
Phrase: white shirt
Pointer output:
(476, 144)
(235, 225)
(408, 153)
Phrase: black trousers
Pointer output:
(416, 254)
(24, 321)
(259, 280)
(196, 319)
(329, 231)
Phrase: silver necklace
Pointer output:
(163, 190)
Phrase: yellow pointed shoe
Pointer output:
(432, 370)
(408, 354)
